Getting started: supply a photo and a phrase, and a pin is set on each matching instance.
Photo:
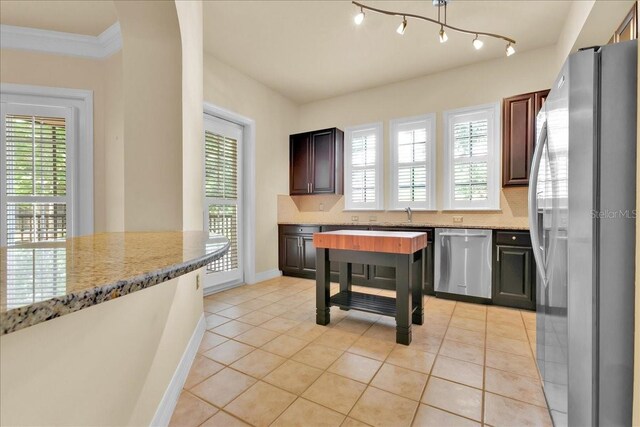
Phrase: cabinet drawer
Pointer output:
(513, 238)
(299, 229)
(343, 227)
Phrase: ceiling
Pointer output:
(310, 50)
(70, 16)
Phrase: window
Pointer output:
(472, 158)
(46, 184)
(363, 168)
(46, 163)
(223, 196)
(413, 174)
(37, 173)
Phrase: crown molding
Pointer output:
(60, 43)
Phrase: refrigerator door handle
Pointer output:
(533, 201)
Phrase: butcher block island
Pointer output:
(402, 250)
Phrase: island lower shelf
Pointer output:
(376, 304)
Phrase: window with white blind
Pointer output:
(363, 165)
(223, 196)
(36, 175)
(413, 174)
(472, 158)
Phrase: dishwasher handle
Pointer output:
(462, 235)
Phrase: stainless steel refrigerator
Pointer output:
(582, 196)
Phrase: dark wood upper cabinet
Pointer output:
(628, 29)
(518, 135)
(315, 162)
(300, 156)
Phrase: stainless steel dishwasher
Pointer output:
(462, 262)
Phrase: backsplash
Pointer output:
(329, 209)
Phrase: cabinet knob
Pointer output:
(513, 237)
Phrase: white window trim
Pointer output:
(215, 280)
(430, 163)
(493, 155)
(379, 203)
(249, 196)
(81, 102)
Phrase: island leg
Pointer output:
(322, 287)
(403, 298)
(418, 283)
(345, 279)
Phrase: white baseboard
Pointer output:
(172, 393)
(266, 275)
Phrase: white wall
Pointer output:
(476, 84)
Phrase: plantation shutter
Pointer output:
(412, 163)
(470, 160)
(221, 193)
(35, 179)
(362, 168)
(412, 170)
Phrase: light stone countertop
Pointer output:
(407, 225)
(42, 281)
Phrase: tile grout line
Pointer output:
(358, 334)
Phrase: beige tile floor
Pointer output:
(263, 361)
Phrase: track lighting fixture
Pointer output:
(442, 35)
(477, 43)
(359, 17)
(510, 49)
(402, 26)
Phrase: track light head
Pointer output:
(443, 36)
(510, 49)
(402, 27)
(477, 43)
(359, 17)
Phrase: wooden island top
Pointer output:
(394, 242)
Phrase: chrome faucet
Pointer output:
(409, 213)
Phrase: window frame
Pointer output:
(378, 205)
(80, 188)
(494, 135)
(215, 280)
(429, 163)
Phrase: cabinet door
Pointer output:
(290, 260)
(514, 280)
(323, 162)
(299, 164)
(628, 29)
(308, 254)
(428, 270)
(540, 97)
(382, 277)
(518, 139)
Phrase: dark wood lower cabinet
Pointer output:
(514, 273)
(297, 255)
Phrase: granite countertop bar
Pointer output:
(410, 224)
(42, 281)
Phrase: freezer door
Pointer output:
(548, 224)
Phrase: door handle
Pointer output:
(533, 200)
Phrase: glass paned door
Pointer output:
(223, 197)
